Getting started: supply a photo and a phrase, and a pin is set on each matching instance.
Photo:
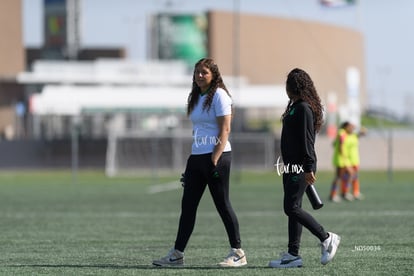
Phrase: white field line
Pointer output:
(170, 186)
(149, 214)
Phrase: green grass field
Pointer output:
(99, 226)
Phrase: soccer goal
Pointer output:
(133, 153)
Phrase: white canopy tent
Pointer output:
(71, 87)
(73, 99)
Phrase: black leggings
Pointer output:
(199, 173)
(294, 186)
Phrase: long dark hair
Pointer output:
(300, 85)
(216, 82)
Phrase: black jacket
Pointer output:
(298, 137)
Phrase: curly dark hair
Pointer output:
(300, 85)
(216, 82)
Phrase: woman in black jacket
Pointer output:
(302, 119)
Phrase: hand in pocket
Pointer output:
(214, 169)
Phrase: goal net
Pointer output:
(136, 153)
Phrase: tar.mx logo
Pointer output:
(200, 140)
(282, 168)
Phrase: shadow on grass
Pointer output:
(113, 266)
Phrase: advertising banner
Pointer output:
(180, 37)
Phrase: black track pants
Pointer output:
(200, 172)
(294, 186)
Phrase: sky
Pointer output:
(386, 26)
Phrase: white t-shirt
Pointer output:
(205, 127)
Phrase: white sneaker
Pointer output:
(359, 196)
(235, 258)
(173, 258)
(335, 199)
(348, 197)
(329, 247)
(286, 261)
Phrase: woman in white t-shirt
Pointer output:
(210, 110)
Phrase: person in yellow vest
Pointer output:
(353, 153)
(342, 163)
